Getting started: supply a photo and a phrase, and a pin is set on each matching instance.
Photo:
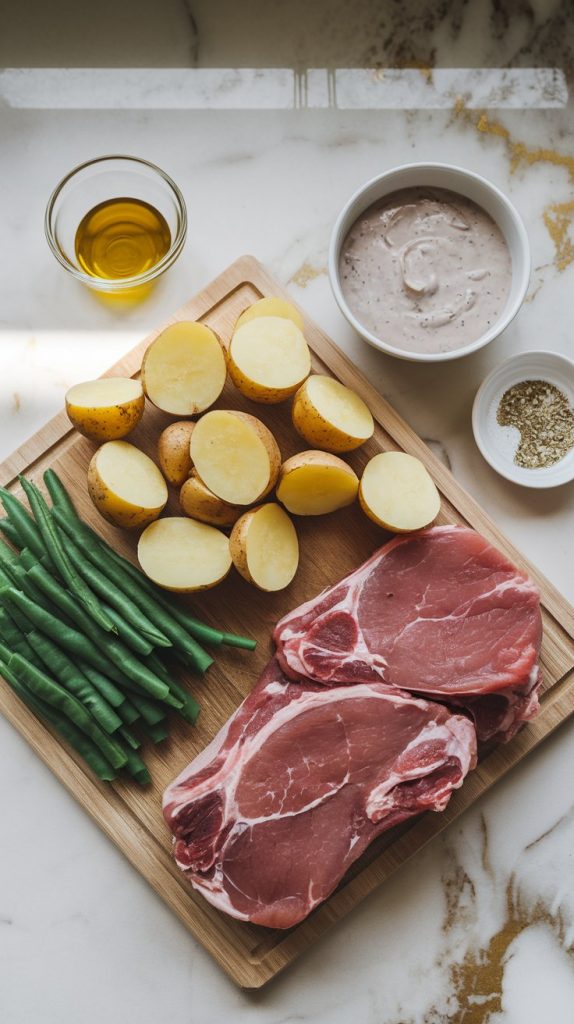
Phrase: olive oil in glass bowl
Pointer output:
(116, 224)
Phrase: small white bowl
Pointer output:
(466, 183)
(498, 444)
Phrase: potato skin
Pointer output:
(238, 541)
(257, 392)
(198, 502)
(395, 527)
(312, 458)
(253, 389)
(106, 424)
(180, 589)
(315, 429)
(265, 435)
(271, 306)
(173, 451)
(272, 447)
(115, 510)
(196, 407)
(238, 544)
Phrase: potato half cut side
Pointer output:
(313, 483)
(198, 502)
(268, 359)
(183, 370)
(235, 455)
(125, 485)
(398, 493)
(271, 306)
(182, 555)
(173, 451)
(105, 409)
(264, 547)
(331, 416)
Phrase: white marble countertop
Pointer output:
(479, 927)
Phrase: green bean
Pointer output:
(190, 710)
(115, 652)
(135, 591)
(115, 597)
(127, 634)
(7, 556)
(59, 557)
(58, 493)
(68, 731)
(129, 738)
(9, 630)
(27, 530)
(200, 630)
(72, 679)
(137, 768)
(150, 712)
(156, 733)
(58, 595)
(44, 687)
(32, 615)
(106, 687)
(10, 531)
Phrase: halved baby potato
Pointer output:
(397, 492)
(313, 483)
(331, 416)
(271, 306)
(182, 555)
(198, 502)
(125, 485)
(264, 547)
(183, 370)
(235, 456)
(268, 358)
(105, 409)
(173, 451)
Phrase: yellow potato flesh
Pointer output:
(271, 353)
(125, 485)
(183, 555)
(184, 369)
(105, 409)
(315, 490)
(272, 549)
(398, 493)
(270, 306)
(230, 458)
(341, 419)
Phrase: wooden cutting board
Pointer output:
(330, 547)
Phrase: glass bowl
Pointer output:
(97, 181)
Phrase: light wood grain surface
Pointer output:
(330, 547)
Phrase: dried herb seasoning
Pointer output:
(545, 419)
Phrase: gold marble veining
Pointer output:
(306, 273)
(557, 217)
(477, 981)
(558, 220)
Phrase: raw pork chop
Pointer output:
(299, 781)
(440, 613)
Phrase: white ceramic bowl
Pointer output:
(498, 444)
(466, 183)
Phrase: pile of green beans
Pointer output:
(84, 635)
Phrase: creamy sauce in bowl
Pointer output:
(425, 270)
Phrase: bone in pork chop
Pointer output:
(439, 613)
(299, 781)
